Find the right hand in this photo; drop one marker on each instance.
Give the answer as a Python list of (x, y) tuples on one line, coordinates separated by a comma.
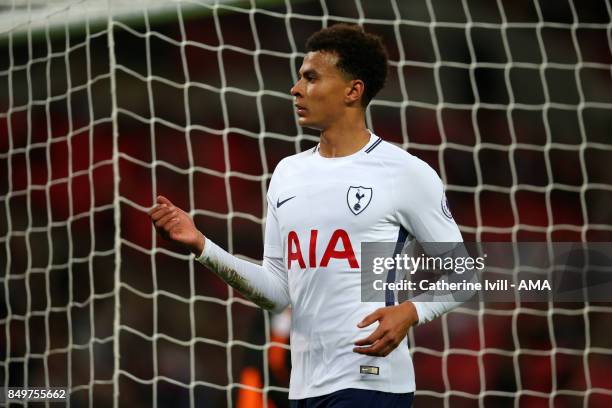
[(176, 225)]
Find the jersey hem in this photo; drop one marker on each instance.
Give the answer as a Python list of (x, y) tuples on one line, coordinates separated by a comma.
[(403, 389)]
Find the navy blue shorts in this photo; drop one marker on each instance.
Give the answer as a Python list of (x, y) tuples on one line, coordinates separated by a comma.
[(356, 398)]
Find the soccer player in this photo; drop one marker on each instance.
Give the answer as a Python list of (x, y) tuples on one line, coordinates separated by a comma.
[(352, 187)]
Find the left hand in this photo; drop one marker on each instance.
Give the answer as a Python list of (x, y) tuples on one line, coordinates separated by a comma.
[(394, 324)]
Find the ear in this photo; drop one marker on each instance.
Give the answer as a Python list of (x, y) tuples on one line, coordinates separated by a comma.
[(354, 91)]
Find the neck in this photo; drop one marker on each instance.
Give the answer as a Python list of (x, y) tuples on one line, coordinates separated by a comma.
[(343, 138)]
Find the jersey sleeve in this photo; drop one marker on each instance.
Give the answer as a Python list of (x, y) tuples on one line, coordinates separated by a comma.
[(273, 245), (266, 285), (422, 209), (421, 205)]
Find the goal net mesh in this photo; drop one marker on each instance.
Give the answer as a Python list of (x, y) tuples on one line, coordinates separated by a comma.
[(106, 104)]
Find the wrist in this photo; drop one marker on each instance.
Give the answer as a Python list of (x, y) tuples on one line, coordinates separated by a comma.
[(198, 246), (411, 312)]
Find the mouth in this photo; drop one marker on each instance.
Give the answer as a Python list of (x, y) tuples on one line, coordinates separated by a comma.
[(300, 109)]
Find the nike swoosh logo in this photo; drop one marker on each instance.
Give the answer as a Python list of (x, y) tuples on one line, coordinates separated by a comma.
[(279, 203)]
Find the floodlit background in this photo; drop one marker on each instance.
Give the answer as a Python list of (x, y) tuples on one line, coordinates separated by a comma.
[(510, 101)]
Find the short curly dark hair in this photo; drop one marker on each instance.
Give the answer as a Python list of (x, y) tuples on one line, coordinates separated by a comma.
[(361, 55)]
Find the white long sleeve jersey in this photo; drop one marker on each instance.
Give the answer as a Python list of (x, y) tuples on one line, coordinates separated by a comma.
[(320, 210)]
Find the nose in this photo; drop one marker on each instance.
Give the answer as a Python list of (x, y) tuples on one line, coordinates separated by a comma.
[(295, 89)]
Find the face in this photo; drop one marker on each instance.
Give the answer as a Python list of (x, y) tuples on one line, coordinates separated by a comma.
[(322, 92)]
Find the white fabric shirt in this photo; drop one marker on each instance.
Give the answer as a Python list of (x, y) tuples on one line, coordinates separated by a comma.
[(365, 197), (320, 210)]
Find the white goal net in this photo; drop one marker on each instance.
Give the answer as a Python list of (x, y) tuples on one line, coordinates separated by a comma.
[(106, 104)]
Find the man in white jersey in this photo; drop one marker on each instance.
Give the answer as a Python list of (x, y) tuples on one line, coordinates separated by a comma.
[(322, 204)]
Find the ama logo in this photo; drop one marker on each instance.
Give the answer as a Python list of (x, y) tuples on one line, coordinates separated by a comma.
[(358, 198)]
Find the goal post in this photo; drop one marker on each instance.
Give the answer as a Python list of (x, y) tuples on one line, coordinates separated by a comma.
[(106, 104)]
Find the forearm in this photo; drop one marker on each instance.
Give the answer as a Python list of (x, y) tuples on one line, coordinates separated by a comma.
[(428, 311), (266, 285), (434, 303)]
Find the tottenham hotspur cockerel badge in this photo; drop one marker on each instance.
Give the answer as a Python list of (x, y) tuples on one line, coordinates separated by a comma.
[(358, 198)]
